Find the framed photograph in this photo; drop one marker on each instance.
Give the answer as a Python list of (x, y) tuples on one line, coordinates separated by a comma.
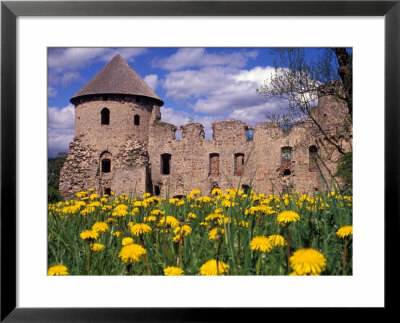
[(48, 47)]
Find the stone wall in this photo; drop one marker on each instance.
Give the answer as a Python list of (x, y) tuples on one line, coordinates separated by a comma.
[(121, 120), (150, 158)]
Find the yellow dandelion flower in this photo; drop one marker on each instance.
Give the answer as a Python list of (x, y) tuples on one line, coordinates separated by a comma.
[(126, 241), (120, 210), (195, 192), (146, 195), (97, 247), (277, 240), (169, 221), (174, 200), (307, 261), (157, 212), (227, 203), (216, 232), (131, 253), (81, 194), (94, 196), (345, 231), (111, 220), (117, 234), (287, 217), (210, 268), (214, 216), (204, 199), (57, 270), (173, 271), (89, 235), (183, 230), (150, 218), (192, 215), (261, 243), (100, 227), (91, 189), (140, 229), (216, 191)]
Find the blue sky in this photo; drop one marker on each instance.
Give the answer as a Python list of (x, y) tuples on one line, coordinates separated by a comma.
[(199, 84)]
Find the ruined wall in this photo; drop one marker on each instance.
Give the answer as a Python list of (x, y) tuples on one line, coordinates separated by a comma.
[(83, 169), (150, 158), (190, 156), (205, 164)]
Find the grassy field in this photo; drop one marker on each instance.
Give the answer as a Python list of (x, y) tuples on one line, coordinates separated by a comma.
[(227, 233)]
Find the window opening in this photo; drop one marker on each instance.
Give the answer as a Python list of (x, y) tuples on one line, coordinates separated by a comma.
[(106, 165), (286, 160), (105, 116), (214, 164), (239, 164), (178, 134), (165, 164), (136, 120), (312, 155)]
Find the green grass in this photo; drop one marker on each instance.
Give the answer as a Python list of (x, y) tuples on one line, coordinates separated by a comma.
[(321, 215)]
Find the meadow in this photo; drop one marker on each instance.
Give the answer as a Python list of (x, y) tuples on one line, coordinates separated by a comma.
[(226, 233)]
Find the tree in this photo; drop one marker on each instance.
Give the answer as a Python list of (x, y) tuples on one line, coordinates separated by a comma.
[(53, 176), (300, 82)]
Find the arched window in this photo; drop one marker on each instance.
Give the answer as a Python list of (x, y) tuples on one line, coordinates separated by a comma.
[(165, 164), (214, 164), (239, 164), (105, 116), (136, 120), (312, 158), (286, 160)]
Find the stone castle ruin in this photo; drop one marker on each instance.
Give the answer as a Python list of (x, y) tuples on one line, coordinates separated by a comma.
[(121, 145)]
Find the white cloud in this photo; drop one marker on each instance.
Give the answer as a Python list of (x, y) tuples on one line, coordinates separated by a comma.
[(220, 91), (194, 84), (198, 57), (51, 91), (60, 129), (64, 63), (72, 59), (152, 81), (69, 77)]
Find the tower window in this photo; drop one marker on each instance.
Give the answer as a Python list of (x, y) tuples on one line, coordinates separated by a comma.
[(107, 191), (105, 116), (239, 164), (312, 155), (286, 160), (157, 190), (214, 164), (136, 120), (165, 164), (106, 165)]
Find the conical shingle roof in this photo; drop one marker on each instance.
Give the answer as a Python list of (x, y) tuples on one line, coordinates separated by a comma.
[(117, 77)]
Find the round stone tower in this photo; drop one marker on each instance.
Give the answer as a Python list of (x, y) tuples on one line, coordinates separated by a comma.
[(116, 103), (113, 114)]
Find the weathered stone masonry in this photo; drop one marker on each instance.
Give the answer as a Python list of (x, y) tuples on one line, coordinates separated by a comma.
[(121, 145)]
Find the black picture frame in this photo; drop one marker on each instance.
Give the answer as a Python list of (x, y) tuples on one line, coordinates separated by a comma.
[(10, 10)]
